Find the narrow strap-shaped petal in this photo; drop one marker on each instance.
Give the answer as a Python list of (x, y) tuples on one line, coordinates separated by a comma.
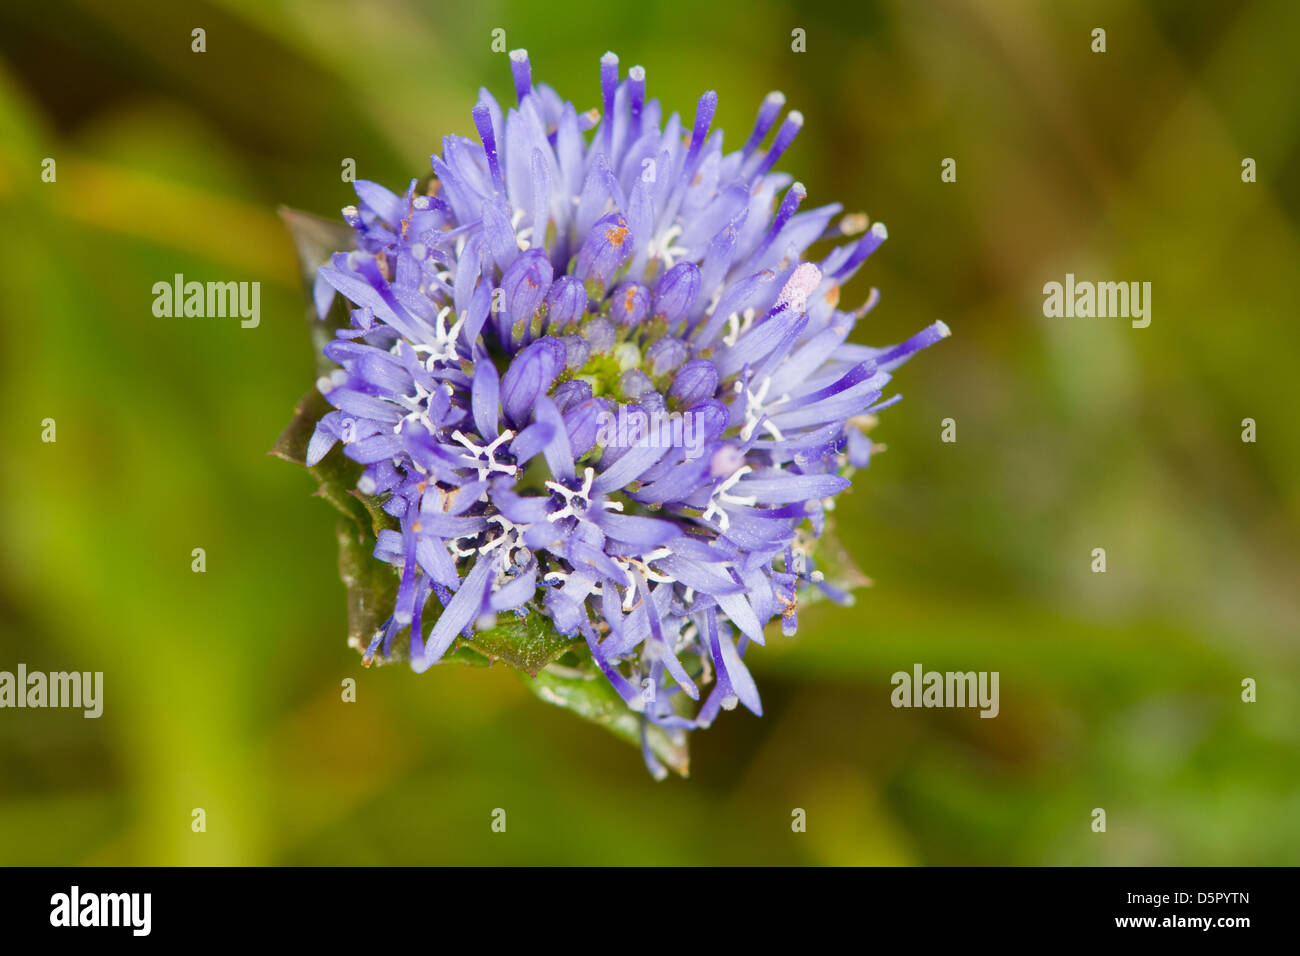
[(458, 614)]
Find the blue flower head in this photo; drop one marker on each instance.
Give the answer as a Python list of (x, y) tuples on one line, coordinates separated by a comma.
[(592, 377)]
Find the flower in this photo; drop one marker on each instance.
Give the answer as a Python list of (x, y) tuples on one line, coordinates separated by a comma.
[(591, 377)]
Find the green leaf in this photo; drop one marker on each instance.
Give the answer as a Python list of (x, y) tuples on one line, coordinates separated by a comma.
[(316, 240), (527, 643), (336, 475), (371, 585), (583, 690), (371, 591)]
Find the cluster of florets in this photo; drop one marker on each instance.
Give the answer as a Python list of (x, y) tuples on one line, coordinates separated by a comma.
[(591, 377)]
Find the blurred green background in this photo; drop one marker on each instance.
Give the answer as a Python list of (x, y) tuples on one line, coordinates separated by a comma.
[(1118, 690)]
